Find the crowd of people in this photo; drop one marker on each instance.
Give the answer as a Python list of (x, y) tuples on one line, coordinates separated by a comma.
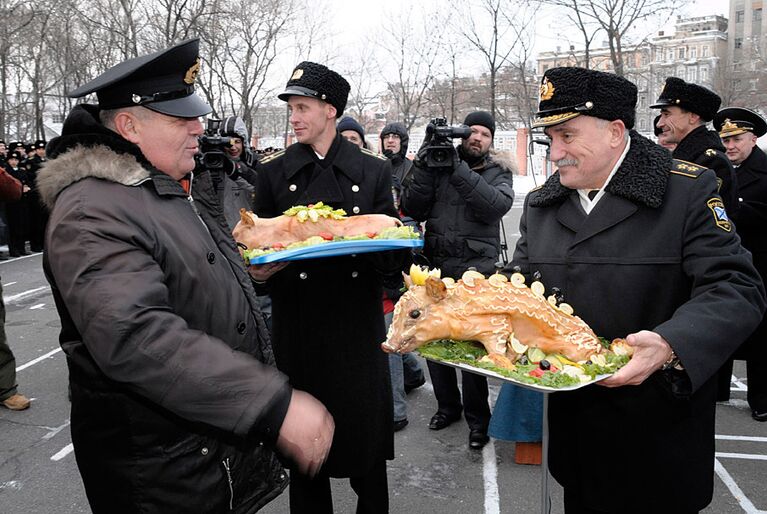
[(196, 380)]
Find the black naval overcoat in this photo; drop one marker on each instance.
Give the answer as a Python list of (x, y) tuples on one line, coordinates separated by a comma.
[(327, 314), (752, 223), (704, 148), (656, 253)]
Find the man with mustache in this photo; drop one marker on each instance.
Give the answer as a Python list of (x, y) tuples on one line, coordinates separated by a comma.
[(462, 205)]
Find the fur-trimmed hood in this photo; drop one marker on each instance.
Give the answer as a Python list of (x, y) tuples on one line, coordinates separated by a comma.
[(88, 149), (82, 162), (641, 178), (505, 160)]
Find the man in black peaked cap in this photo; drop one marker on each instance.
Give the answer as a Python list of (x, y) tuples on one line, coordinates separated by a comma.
[(641, 247), (175, 406)]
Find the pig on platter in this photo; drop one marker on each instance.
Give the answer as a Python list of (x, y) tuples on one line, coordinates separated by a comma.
[(505, 316), (300, 223)]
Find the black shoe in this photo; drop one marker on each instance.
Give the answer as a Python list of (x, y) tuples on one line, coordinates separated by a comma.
[(415, 385), (759, 416), (478, 439), (399, 425), (440, 421)]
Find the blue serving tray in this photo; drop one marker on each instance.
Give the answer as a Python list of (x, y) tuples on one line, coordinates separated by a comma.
[(336, 248)]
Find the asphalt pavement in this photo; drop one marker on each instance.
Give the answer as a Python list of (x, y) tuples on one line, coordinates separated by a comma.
[(433, 472)]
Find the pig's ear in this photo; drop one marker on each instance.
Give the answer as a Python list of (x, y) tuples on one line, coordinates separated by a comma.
[(436, 289), (407, 279), (246, 218)]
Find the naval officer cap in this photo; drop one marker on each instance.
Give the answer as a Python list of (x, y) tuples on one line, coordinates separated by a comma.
[(317, 81), (567, 92), (737, 120), (162, 81), (690, 97)]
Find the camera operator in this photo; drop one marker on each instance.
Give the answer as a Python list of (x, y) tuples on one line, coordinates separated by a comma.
[(462, 195)]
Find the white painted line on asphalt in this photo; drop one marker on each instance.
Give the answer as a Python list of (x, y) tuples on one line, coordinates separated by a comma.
[(490, 476), (13, 298), (753, 439), (13, 259), (36, 307), (743, 456), (53, 431), (35, 361), (10, 283), (63, 452), (740, 386), (736, 491)]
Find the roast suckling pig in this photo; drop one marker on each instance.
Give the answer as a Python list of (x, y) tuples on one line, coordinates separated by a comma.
[(281, 231), (506, 317)]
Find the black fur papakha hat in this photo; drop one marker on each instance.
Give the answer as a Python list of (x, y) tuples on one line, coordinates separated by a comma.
[(317, 81), (690, 97), (568, 92), (737, 120), (162, 81)]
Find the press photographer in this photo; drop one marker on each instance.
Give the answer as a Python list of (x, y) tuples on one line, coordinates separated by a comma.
[(223, 153), (462, 194)]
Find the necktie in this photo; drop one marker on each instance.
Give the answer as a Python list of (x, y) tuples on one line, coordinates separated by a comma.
[(592, 194)]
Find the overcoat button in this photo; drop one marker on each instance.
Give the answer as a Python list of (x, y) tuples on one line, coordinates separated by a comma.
[(356, 188), (355, 274), (241, 326), (204, 450), (293, 187), (211, 257), (356, 210), (303, 275)]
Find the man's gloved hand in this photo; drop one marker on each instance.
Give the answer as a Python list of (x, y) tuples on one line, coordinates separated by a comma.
[(420, 156)]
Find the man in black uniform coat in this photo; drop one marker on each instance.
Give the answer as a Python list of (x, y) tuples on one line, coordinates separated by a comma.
[(739, 129), (651, 256), (684, 111), (327, 315)]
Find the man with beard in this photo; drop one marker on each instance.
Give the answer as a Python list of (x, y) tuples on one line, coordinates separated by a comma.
[(739, 129), (462, 205), (685, 109)]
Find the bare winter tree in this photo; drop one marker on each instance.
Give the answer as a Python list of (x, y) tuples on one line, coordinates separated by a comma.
[(497, 30), (17, 17), (615, 19), (409, 61), (579, 18), (361, 73)]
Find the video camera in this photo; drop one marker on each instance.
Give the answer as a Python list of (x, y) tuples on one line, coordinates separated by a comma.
[(212, 155), (440, 136)]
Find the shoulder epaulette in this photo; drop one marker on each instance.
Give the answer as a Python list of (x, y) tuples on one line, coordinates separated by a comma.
[(687, 169), (271, 157), (373, 154), (711, 152)]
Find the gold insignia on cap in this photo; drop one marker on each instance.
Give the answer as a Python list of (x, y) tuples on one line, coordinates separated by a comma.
[(728, 125), (546, 90), (297, 74), (711, 152), (191, 73), (730, 129)]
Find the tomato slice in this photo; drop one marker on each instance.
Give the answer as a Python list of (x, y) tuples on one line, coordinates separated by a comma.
[(371, 235), (327, 236)]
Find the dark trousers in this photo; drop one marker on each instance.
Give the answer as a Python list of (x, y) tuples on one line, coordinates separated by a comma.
[(475, 406), (755, 355), (574, 505), (313, 495), (7, 360)]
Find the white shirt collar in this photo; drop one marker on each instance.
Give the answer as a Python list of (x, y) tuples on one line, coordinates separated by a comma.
[(589, 204)]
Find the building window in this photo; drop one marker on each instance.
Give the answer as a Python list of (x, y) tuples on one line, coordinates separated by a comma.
[(693, 52), (670, 54), (692, 74), (738, 42), (681, 53), (758, 14), (642, 124), (739, 15), (704, 74), (704, 51), (642, 101)]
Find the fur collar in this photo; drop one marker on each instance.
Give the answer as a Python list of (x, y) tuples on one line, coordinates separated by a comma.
[(81, 162), (506, 160), (641, 177)]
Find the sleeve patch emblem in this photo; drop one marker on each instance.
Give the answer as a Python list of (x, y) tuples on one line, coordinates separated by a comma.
[(720, 215)]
